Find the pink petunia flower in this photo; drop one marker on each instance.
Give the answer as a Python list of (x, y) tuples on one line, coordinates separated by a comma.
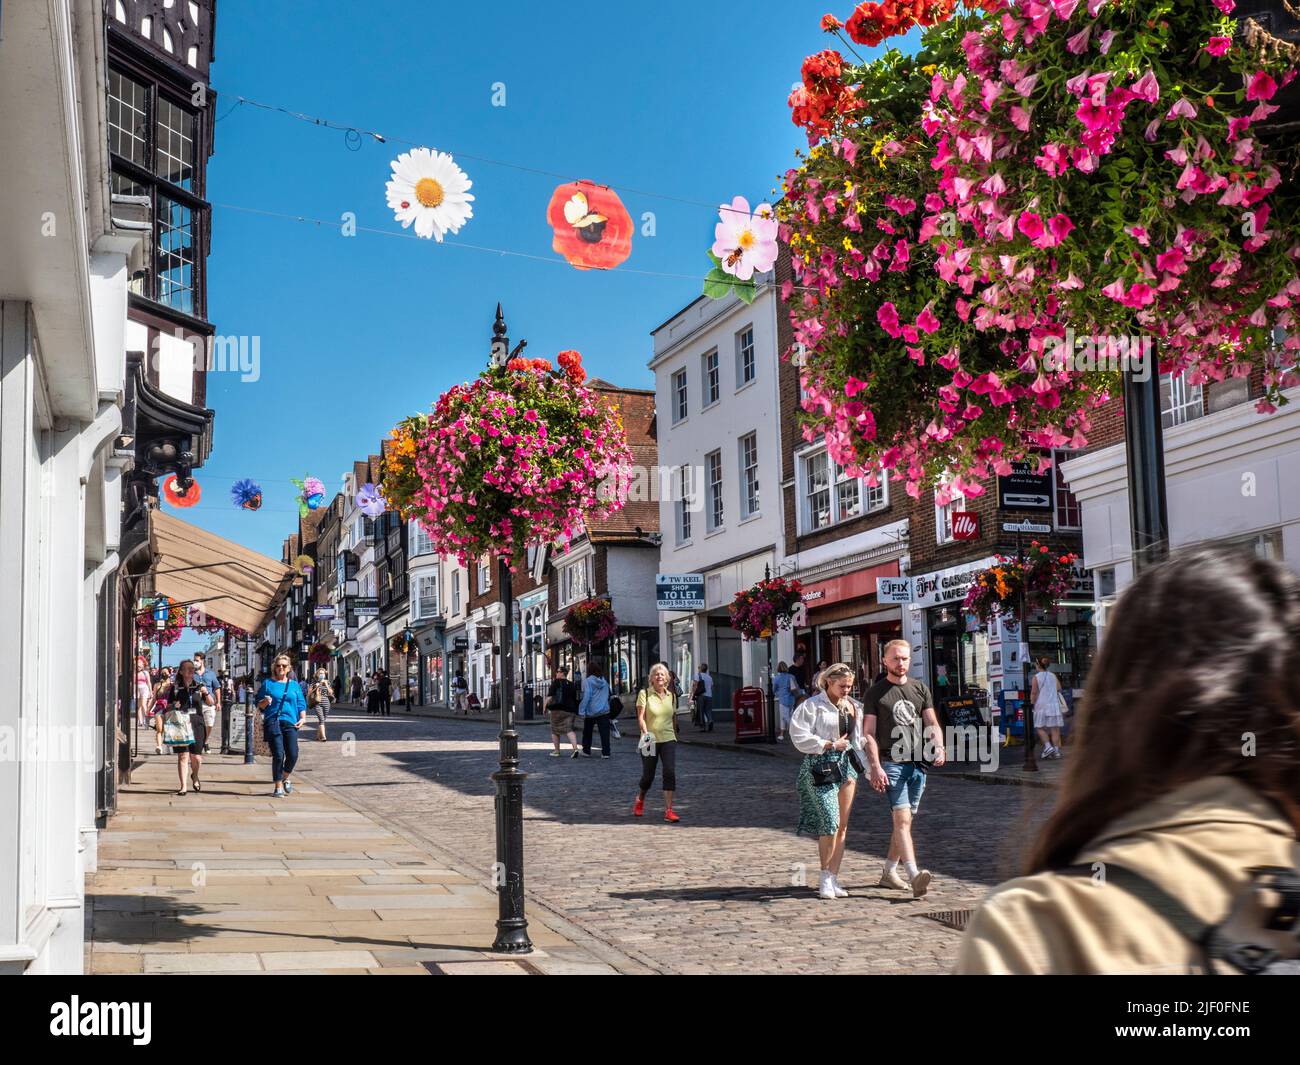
[(1219, 46), (1261, 87)]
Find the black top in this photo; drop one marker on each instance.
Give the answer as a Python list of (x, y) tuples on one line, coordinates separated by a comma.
[(180, 697), (899, 725), (563, 694)]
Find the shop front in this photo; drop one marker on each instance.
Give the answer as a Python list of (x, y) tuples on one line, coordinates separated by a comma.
[(457, 652), (626, 657), (843, 621)]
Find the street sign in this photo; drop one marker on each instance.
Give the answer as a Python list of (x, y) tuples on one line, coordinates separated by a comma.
[(894, 589), (1023, 489), (365, 606), (679, 591), (324, 613), (1026, 527)]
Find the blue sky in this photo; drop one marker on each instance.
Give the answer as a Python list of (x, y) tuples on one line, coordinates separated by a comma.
[(682, 99)]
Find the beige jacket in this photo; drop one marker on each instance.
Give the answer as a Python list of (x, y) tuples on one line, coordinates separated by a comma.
[(1196, 843)]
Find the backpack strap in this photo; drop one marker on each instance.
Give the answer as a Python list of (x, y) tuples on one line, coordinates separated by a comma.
[(1155, 897)]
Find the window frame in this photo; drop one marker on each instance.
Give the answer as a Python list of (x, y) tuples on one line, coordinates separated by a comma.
[(710, 378), (1182, 401), (943, 518), (715, 510), (679, 386), (748, 472), (741, 361), (837, 479), (1058, 489), (565, 594), (156, 186), (685, 475)]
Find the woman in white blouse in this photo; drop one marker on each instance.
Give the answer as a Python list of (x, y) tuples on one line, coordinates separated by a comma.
[(827, 729)]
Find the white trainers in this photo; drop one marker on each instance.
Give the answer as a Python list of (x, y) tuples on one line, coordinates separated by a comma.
[(891, 879), (827, 888), (921, 883), (840, 893)]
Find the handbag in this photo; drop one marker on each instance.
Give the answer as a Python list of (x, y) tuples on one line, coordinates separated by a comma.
[(177, 730), (826, 774), (1060, 702)]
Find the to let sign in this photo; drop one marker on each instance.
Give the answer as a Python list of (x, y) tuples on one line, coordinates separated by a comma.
[(965, 525), (679, 591)]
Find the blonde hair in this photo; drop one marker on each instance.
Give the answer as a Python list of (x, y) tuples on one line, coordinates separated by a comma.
[(834, 672), (277, 659), (895, 643), (658, 667)]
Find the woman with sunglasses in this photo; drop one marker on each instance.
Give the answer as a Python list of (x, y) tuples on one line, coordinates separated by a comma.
[(284, 712)]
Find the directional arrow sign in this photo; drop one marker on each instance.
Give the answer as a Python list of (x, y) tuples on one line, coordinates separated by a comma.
[(1027, 502)]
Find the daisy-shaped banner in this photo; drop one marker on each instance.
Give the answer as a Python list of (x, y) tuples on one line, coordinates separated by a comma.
[(744, 244), (428, 189), (370, 501)]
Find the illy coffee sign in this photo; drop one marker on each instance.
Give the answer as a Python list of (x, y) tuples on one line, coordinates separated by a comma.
[(965, 525)]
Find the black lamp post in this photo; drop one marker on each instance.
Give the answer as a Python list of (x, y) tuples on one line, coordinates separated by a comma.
[(512, 924)]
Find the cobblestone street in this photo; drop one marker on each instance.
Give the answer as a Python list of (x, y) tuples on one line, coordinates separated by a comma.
[(721, 891)]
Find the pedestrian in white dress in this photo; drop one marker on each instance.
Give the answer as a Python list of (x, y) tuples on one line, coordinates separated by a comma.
[(1045, 694)]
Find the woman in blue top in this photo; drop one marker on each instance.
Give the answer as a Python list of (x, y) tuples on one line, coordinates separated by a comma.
[(284, 711), (594, 709)]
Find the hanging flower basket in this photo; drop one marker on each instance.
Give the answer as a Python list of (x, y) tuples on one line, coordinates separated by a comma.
[(591, 621), (523, 455), (1041, 574), (401, 645), (320, 654), (148, 629), (985, 233), (758, 612)]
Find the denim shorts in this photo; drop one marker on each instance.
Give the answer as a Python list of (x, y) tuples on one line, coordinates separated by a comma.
[(906, 784)]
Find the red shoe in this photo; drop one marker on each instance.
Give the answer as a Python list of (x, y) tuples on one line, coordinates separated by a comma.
[(638, 808), (669, 815)]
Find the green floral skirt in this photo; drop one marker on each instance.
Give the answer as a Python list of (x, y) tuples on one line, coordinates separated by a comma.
[(819, 806)]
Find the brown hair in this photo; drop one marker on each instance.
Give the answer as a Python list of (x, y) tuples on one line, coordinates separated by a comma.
[(1201, 656)]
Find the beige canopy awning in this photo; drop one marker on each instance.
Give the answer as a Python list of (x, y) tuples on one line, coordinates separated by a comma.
[(231, 583)]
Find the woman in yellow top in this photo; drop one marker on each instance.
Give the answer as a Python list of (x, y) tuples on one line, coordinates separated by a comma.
[(655, 713)]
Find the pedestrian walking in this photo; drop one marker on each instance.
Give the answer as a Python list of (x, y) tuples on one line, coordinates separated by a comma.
[(703, 696), (374, 700), (143, 690), (1049, 708), (827, 730), (898, 720), (656, 715), (185, 727), (594, 710), (799, 670), (817, 677), (337, 688), (562, 707), (161, 684), (788, 693), (675, 686), (459, 692), (385, 693), (615, 711), (209, 680), (1174, 833), (284, 710), (320, 698), (357, 687)]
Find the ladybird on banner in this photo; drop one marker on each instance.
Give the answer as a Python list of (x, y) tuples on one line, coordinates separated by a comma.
[(593, 230)]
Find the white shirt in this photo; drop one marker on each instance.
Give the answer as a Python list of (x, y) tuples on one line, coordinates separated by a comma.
[(816, 721), (1048, 686), (707, 680)]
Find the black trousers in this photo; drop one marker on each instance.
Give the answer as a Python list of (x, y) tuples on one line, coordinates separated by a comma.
[(601, 723), (667, 753)]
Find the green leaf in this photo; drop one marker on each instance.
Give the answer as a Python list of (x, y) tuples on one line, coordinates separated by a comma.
[(746, 291), (717, 285), (715, 260)]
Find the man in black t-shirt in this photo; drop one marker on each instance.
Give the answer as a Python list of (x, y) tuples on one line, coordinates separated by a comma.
[(902, 735)]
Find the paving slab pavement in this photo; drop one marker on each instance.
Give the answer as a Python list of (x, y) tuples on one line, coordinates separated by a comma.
[(233, 880)]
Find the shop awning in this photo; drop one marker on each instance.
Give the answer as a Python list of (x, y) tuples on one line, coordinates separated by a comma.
[(230, 582)]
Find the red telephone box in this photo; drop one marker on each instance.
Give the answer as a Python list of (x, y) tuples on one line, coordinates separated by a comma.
[(749, 708)]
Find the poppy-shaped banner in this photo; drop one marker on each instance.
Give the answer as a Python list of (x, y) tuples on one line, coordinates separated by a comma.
[(593, 230), (181, 499)]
